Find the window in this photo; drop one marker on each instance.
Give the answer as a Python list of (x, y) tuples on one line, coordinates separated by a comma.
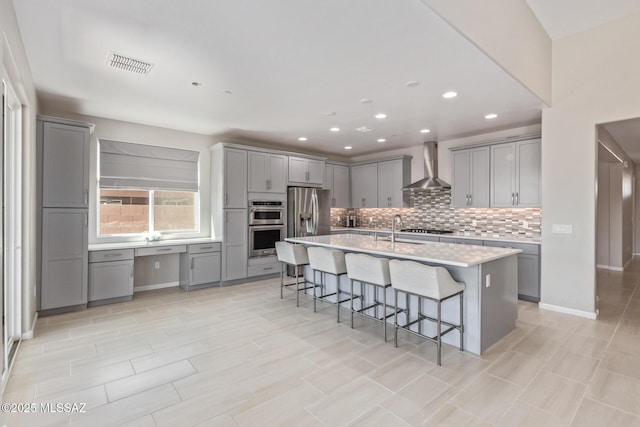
[(146, 189)]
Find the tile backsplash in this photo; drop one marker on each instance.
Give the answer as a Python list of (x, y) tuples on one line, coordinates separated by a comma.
[(434, 210)]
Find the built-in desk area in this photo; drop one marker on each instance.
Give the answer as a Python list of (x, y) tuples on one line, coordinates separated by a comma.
[(111, 266)]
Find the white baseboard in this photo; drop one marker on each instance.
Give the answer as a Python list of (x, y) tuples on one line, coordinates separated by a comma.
[(156, 286), (29, 334), (566, 310), (609, 267)]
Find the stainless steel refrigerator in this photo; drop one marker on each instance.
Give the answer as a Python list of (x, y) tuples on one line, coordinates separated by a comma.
[(308, 212)]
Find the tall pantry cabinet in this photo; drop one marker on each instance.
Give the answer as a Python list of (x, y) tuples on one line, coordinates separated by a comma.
[(63, 208)]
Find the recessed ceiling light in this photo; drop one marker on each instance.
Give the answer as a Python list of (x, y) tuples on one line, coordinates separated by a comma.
[(412, 83), (302, 138), (331, 113), (334, 129), (348, 147), (381, 116), (424, 131), (196, 84), (227, 92), (365, 101), (491, 116), (364, 129), (450, 94), (382, 140)]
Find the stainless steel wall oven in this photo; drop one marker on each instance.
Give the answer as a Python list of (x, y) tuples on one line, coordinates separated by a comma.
[(266, 227)]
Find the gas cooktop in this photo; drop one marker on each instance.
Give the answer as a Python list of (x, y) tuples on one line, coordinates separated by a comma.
[(423, 230)]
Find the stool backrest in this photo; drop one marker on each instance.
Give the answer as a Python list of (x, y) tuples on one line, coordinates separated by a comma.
[(327, 260), (425, 280), (369, 269), (292, 254)]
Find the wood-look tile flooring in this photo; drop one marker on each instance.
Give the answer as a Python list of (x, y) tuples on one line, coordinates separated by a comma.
[(240, 356)]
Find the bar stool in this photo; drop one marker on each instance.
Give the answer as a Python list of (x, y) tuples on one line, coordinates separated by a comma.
[(370, 271), (433, 283), (296, 256), (327, 261)]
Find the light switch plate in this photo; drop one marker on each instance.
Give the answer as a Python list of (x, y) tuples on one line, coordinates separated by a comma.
[(562, 229)]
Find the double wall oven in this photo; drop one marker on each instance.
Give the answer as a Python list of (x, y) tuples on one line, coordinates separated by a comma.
[(266, 226)]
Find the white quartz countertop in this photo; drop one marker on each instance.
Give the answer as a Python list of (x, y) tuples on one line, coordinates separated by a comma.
[(454, 235), (144, 244), (433, 252)]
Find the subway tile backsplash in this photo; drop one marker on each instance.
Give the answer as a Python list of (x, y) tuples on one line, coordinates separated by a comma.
[(434, 210)]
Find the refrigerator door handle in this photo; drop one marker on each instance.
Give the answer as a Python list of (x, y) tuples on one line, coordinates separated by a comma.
[(315, 213)]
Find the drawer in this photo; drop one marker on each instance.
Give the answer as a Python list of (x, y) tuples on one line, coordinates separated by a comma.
[(261, 269), (202, 248), (161, 250), (417, 236), (527, 248), (461, 241), (113, 255)]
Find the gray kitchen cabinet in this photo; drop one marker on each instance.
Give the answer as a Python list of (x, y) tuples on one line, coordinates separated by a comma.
[(336, 180), (470, 186), (364, 186), (64, 258), (267, 172), (306, 172), (528, 268), (65, 168), (235, 178), (110, 276), (235, 247), (516, 174), (200, 266), (393, 175)]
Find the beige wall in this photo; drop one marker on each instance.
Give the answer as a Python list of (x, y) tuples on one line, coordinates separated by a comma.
[(16, 66), (509, 33), (596, 79)]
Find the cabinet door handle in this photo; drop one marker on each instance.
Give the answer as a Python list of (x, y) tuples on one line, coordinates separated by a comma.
[(267, 268), (163, 249), (86, 196), (206, 247), (513, 198), (131, 268), (226, 199), (226, 217), (363, 202), (470, 199), (86, 220), (306, 176), (192, 262), (517, 198), (268, 184), (112, 255), (333, 202)]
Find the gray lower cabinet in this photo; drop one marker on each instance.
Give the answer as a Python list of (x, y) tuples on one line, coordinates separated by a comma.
[(64, 258), (528, 268), (110, 276), (200, 266)]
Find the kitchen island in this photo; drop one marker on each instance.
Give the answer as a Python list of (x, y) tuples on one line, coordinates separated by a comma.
[(489, 273)]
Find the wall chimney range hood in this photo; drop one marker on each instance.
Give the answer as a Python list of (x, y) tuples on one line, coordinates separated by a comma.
[(430, 180)]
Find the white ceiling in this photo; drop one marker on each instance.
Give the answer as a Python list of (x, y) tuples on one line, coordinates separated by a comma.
[(561, 18), (288, 63)]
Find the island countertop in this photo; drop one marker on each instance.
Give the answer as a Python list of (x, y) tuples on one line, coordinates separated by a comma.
[(433, 252)]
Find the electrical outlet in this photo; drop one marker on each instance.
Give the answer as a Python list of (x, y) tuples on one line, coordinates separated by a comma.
[(562, 229), (474, 222), (525, 224), (487, 280), (157, 265)]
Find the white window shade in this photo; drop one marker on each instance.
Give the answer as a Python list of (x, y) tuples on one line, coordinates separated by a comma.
[(127, 165)]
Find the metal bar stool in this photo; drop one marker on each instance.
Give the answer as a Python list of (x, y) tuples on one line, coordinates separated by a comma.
[(370, 271), (327, 261), (433, 283), (296, 256)]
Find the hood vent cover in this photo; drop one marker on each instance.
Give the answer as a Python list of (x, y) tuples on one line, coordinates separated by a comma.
[(126, 63), (430, 180)]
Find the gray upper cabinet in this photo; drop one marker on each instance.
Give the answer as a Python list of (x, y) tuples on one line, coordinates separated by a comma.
[(470, 187), (516, 174), (364, 186), (64, 258), (235, 178), (267, 172), (306, 172), (393, 175), (336, 180), (65, 168)]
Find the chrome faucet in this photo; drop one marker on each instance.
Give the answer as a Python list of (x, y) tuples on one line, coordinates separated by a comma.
[(393, 227)]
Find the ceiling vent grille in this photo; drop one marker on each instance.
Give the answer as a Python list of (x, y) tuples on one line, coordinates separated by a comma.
[(127, 63)]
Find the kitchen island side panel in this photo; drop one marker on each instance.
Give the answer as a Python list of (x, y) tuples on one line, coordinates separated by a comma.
[(498, 299)]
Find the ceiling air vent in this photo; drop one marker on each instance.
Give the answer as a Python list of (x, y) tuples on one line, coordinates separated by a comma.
[(126, 63)]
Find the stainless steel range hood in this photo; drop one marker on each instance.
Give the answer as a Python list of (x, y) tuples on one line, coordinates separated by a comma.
[(430, 180)]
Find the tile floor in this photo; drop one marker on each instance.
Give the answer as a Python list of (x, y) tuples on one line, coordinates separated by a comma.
[(240, 356)]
